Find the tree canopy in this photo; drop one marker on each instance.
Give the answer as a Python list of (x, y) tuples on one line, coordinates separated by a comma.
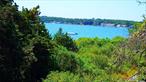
[(29, 54)]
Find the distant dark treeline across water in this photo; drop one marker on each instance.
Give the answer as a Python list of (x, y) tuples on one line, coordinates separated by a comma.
[(95, 22)]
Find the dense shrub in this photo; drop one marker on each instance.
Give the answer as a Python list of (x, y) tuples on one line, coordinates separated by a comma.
[(64, 59)]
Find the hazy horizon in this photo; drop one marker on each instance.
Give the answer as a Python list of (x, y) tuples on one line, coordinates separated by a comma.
[(103, 9)]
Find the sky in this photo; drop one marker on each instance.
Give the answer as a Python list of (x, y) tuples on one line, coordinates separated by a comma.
[(104, 9)]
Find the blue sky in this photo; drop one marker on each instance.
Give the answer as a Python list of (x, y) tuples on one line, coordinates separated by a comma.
[(104, 9)]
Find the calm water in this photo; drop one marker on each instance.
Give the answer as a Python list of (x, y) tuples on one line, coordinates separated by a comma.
[(88, 31)]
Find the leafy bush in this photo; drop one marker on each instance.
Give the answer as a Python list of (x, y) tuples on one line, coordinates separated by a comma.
[(62, 77), (64, 59)]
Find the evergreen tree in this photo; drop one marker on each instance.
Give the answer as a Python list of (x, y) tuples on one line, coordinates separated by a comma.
[(11, 54), (25, 45), (65, 40)]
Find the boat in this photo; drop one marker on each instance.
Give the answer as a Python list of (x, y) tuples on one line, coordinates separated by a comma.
[(72, 33)]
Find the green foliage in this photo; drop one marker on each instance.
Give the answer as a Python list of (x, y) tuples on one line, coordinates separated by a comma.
[(92, 63), (135, 28), (36, 45), (56, 76), (93, 57), (64, 59), (5, 2), (42, 50), (62, 77), (11, 54), (132, 53), (65, 40), (83, 42), (25, 46), (29, 54)]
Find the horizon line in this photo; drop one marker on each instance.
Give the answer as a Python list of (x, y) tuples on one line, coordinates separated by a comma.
[(92, 18)]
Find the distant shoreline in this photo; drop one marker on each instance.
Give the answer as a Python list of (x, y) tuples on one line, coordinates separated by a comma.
[(93, 22), (86, 25)]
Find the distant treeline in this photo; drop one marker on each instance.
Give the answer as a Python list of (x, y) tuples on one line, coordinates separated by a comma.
[(93, 21)]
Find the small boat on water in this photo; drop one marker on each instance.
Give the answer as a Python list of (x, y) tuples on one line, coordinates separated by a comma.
[(72, 33)]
